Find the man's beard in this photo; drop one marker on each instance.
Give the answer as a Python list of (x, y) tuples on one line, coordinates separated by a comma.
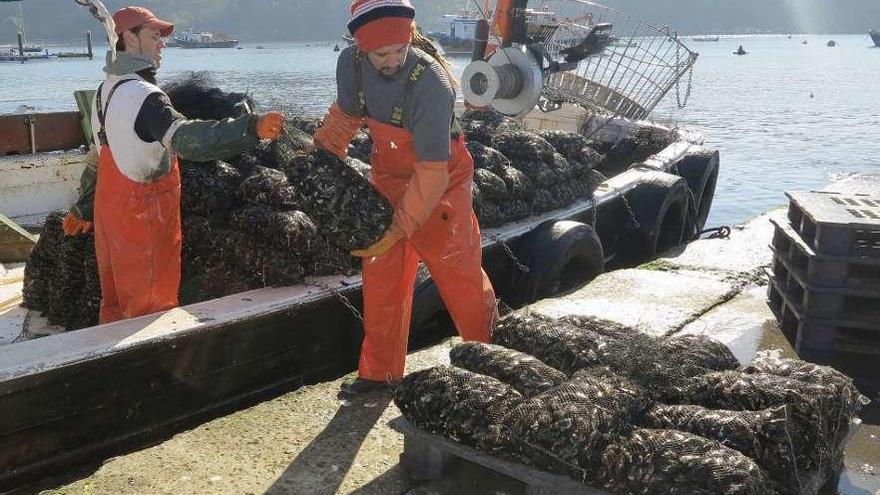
[(389, 75)]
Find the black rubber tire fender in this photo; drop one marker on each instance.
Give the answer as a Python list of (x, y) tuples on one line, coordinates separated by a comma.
[(700, 167), (660, 205), (560, 255)]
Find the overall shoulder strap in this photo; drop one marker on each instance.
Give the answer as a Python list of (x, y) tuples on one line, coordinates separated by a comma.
[(414, 75), (359, 88), (101, 108)]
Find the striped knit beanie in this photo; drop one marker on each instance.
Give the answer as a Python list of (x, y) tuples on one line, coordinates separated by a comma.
[(378, 23)]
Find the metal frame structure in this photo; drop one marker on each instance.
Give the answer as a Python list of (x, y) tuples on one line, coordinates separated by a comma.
[(631, 76)]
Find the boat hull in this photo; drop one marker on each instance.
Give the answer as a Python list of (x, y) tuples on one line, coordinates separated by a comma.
[(209, 44), (454, 46)]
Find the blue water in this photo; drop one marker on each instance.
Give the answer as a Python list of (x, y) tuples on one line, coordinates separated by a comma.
[(756, 109)]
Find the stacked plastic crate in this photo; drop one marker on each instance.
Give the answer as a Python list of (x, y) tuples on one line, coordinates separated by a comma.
[(825, 279)]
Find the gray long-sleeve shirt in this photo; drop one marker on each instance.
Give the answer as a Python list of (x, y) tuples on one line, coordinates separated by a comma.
[(427, 109)]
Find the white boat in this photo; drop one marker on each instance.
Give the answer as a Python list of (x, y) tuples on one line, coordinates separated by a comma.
[(204, 39), (706, 38)]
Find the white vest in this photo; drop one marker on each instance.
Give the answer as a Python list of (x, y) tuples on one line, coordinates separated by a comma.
[(136, 159)]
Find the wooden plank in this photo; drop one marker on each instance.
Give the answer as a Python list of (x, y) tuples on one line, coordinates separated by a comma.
[(15, 242), (53, 131), (427, 456)]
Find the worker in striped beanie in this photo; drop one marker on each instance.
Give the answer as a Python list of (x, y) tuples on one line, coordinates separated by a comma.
[(378, 23), (396, 83)]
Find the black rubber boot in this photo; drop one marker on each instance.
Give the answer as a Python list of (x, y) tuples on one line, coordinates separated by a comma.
[(361, 386)]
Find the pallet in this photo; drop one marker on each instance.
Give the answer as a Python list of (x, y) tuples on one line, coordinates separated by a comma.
[(823, 271), (819, 302), (820, 340), (428, 456), (837, 224)]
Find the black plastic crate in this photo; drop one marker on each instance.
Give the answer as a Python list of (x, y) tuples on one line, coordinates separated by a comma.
[(821, 340), (816, 302), (823, 271), (837, 224)]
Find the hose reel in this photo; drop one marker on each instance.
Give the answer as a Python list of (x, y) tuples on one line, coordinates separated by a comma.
[(510, 81)]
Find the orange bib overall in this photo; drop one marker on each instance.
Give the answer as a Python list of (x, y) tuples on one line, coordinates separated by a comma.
[(137, 241), (448, 243)]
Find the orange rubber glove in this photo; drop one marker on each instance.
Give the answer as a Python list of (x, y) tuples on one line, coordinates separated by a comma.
[(424, 190), (391, 237), (73, 225), (337, 131), (270, 125)]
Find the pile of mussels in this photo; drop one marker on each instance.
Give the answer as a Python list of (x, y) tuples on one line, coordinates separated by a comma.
[(630, 413), (284, 211)]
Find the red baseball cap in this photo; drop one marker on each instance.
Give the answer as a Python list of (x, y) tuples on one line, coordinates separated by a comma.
[(131, 17)]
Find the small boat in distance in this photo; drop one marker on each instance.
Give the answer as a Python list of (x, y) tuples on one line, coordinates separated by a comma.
[(831, 44), (705, 39), (740, 51), (875, 35), (189, 39)]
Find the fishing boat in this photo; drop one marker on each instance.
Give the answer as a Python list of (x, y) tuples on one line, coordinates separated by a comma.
[(101, 387), (875, 35), (458, 39), (204, 39)]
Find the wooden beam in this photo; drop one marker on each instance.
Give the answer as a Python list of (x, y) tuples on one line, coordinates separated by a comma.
[(15, 242)]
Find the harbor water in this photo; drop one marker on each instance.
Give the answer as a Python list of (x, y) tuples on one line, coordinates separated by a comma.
[(787, 116)]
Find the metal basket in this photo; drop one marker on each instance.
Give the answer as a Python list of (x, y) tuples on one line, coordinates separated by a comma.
[(629, 77)]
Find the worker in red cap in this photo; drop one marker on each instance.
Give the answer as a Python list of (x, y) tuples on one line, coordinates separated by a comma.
[(137, 184), (394, 81)]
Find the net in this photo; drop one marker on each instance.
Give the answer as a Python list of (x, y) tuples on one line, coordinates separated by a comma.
[(667, 461), (461, 405), (525, 374)]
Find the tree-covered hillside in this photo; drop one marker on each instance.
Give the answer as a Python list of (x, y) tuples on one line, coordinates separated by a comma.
[(299, 20)]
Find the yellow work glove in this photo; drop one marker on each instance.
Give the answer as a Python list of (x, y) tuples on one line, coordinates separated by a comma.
[(270, 125), (337, 130), (73, 225), (391, 237)]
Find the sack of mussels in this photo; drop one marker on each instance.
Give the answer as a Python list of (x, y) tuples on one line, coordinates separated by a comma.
[(635, 414), (284, 211)]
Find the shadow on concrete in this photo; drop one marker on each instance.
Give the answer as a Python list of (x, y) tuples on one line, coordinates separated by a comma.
[(391, 482), (323, 465)]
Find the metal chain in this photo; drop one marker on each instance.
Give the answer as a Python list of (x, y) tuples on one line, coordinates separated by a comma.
[(595, 207), (692, 200), (690, 86), (25, 329), (629, 210), (339, 296), (519, 266)]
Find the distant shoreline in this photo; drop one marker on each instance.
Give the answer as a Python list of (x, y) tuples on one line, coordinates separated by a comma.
[(77, 42)]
